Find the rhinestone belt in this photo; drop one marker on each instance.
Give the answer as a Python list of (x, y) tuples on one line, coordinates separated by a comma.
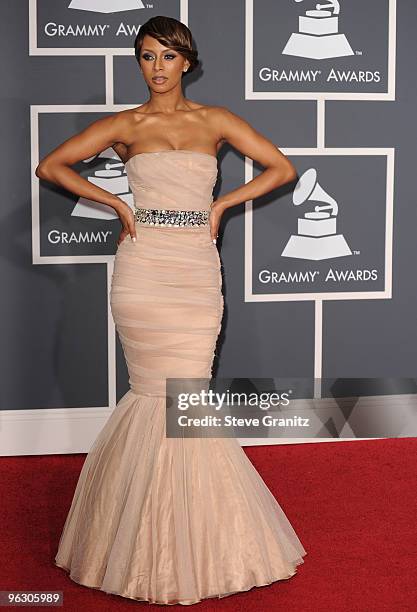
[(175, 218)]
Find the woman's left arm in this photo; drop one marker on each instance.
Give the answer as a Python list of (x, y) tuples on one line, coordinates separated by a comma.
[(243, 137)]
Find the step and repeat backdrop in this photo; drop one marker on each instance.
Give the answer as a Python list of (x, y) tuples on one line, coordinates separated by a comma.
[(318, 276)]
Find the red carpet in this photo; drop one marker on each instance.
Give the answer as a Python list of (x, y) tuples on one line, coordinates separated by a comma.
[(353, 505)]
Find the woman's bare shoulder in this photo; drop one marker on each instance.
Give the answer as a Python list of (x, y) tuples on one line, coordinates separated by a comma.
[(210, 108), (218, 113), (130, 115)]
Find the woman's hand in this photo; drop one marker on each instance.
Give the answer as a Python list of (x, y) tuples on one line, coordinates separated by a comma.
[(128, 222), (216, 212)]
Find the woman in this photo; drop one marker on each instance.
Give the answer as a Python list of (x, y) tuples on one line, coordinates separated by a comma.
[(158, 519)]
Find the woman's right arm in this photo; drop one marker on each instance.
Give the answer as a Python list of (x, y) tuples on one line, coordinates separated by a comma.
[(94, 139)]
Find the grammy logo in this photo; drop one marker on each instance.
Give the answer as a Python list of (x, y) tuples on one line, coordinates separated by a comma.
[(318, 34), (106, 6), (316, 238), (113, 178)]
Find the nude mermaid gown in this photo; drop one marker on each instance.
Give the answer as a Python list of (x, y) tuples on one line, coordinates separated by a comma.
[(171, 520)]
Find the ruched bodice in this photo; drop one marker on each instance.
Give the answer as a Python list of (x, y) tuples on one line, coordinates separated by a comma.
[(173, 179)]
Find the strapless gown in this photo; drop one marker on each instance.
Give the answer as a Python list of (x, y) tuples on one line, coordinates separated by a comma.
[(157, 519)]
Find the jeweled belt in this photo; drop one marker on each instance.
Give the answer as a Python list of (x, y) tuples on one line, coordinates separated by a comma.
[(175, 218)]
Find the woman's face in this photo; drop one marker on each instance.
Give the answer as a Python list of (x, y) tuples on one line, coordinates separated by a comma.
[(161, 67)]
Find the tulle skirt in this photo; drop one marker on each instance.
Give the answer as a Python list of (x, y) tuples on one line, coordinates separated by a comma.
[(170, 520)]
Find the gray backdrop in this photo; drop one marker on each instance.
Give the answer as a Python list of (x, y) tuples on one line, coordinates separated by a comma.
[(351, 118)]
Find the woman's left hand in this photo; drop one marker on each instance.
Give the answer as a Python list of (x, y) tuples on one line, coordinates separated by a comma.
[(216, 212)]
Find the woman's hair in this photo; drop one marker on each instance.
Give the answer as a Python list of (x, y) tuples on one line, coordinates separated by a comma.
[(171, 33)]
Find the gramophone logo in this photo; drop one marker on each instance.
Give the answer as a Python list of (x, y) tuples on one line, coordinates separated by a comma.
[(106, 6), (317, 236), (341, 49), (95, 26), (112, 178), (318, 35)]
